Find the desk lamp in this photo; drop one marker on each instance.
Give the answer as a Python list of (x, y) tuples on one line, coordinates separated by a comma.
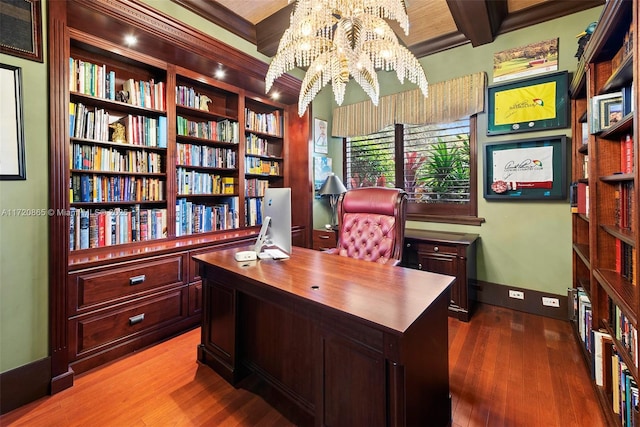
[(333, 188)]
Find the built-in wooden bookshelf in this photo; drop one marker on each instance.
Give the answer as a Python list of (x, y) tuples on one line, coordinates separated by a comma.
[(264, 148), (153, 160), (605, 221)]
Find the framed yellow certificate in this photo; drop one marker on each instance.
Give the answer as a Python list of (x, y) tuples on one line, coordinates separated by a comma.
[(538, 103)]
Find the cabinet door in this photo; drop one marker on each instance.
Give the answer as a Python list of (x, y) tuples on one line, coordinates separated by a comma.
[(443, 263), (354, 384)]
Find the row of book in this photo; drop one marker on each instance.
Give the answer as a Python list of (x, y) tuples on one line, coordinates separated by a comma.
[(258, 146), (624, 391), (95, 80), (145, 131), (194, 182), (86, 188), (146, 94), (608, 369), (581, 313), (224, 130), (259, 166), (253, 211), (188, 97), (98, 228), (92, 79), (579, 198), (254, 187), (88, 123), (192, 218), (625, 208), (269, 123), (610, 372), (111, 159), (626, 261), (100, 125), (205, 156), (626, 333)]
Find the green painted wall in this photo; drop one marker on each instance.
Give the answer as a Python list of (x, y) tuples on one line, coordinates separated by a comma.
[(24, 238), (523, 244)]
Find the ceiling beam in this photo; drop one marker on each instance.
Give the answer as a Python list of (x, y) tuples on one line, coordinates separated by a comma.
[(478, 20), (545, 12), (269, 31), (221, 16)]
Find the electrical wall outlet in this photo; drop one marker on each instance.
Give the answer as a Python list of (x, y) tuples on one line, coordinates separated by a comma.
[(516, 294), (550, 302)]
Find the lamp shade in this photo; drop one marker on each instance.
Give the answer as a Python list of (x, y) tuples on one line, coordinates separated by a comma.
[(332, 186)]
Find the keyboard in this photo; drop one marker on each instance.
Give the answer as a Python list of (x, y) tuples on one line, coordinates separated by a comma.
[(273, 254)]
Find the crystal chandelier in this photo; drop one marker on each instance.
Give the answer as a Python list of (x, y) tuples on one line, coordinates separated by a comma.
[(336, 39)]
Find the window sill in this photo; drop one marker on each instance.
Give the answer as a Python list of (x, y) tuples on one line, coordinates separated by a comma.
[(449, 219)]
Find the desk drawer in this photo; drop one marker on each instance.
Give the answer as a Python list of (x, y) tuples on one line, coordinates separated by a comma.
[(95, 288), (436, 248), (107, 328), (324, 239)]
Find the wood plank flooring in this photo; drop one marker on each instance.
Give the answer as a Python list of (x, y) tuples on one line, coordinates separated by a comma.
[(507, 368)]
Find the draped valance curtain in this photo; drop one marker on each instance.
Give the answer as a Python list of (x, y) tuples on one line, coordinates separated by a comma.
[(447, 101)]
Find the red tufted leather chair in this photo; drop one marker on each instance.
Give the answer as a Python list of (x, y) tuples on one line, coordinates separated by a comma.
[(371, 224)]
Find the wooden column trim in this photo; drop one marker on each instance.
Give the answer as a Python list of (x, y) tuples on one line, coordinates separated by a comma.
[(61, 375)]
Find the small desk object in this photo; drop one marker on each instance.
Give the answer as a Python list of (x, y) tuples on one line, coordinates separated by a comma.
[(344, 342)]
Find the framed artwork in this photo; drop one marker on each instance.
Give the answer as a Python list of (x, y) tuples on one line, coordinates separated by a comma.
[(525, 61), (21, 28), (322, 167), (320, 140), (606, 110), (11, 126), (528, 169), (538, 103)]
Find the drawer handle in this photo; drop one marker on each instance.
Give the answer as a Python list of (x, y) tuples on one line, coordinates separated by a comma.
[(420, 266), (436, 249), (136, 280), (323, 237), (136, 319)]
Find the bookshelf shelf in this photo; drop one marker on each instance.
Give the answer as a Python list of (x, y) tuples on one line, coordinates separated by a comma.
[(619, 129), (605, 263)]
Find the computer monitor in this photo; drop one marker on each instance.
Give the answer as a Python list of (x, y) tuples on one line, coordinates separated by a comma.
[(276, 205)]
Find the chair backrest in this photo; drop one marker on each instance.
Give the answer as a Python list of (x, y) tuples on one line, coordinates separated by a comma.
[(371, 224)]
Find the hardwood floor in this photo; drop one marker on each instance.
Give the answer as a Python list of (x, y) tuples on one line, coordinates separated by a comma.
[(507, 368)]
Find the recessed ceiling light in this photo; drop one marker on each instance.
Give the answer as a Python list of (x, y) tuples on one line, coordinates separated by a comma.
[(220, 73), (130, 40), (275, 95)]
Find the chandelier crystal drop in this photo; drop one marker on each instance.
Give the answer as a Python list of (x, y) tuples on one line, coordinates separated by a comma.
[(339, 39)]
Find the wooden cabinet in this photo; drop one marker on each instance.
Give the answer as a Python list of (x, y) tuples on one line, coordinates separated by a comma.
[(324, 239), (153, 159), (605, 232), (448, 253)]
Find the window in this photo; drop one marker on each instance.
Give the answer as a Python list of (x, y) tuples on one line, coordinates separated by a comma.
[(434, 164)]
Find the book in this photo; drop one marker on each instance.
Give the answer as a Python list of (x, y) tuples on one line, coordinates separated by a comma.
[(84, 229), (598, 350), (626, 154), (579, 198)]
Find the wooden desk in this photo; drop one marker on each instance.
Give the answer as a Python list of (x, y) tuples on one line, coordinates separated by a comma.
[(348, 342)]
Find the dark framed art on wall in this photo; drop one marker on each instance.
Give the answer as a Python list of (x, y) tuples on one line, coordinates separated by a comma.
[(538, 103), (12, 163), (527, 169), (21, 28)]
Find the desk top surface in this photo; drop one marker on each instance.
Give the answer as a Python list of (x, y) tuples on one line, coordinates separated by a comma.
[(391, 297)]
